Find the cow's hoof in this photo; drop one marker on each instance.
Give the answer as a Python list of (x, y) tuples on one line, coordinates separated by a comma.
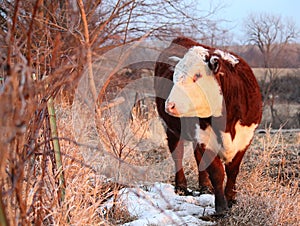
[(205, 190), (182, 191), (215, 216), (221, 208), (231, 203)]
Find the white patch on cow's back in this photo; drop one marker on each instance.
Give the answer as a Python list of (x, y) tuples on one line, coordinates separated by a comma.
[(227, 56), (229, 147)]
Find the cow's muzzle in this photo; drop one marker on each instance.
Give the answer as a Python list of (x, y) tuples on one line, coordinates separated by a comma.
[(170, 108)]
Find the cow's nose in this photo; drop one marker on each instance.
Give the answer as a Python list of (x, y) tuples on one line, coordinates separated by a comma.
[(170, 107)]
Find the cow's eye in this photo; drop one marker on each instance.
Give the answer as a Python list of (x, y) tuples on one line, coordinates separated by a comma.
[(196, 77)]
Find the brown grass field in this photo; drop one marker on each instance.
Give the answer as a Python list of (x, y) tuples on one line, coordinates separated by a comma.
[(268, 184), (50, 175), (259, 72)]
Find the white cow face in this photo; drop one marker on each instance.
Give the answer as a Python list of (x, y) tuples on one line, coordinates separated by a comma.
[(196, 92)]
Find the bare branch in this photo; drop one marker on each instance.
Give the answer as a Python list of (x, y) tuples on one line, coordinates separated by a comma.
[(12, 34), (89, 51), (36, 6)]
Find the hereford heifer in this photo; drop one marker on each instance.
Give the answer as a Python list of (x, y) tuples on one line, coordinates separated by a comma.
[(215, 102)]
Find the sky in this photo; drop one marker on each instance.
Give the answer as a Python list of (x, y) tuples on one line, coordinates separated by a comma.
[(237, 10)]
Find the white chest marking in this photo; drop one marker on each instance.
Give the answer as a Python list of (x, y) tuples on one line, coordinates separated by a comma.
[(229, 147)]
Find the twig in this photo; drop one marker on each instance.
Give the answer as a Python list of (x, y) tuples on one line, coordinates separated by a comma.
[(35, 9), (12, 35), (89, 51)]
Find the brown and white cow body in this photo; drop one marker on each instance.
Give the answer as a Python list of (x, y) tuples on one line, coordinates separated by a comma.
[(214, 102)]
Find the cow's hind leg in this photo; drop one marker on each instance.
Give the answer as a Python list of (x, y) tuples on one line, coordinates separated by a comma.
[(232, 170), (177, 151), (205, 186)]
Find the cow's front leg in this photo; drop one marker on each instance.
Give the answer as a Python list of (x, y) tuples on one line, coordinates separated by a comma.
[(216, 173), (177, 151), (205, 186), (232, 170)]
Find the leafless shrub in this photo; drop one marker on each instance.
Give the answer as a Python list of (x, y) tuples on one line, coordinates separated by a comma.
[(44, 48)]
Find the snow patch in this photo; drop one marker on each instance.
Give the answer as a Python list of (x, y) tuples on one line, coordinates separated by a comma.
[(160, 205)]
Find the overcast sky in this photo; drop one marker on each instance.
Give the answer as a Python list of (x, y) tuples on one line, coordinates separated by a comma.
[(237, 10)]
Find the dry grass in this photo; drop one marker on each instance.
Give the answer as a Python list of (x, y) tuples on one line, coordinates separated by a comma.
[(41, 56), (86, 190), (259, 72), (268, 184)]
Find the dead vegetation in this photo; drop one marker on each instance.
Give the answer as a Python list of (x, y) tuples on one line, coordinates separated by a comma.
[(43, 55), (268, 184), (45, 46)]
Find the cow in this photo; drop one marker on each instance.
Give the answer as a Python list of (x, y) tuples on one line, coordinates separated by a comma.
[(215, 102)]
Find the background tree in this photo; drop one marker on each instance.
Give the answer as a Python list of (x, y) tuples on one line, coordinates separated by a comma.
[(271, 34)]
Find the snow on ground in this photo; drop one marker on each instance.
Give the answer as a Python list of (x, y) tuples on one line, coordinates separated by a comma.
[(160, 205)]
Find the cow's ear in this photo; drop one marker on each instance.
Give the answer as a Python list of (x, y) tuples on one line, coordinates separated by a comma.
[(175, 59), (214, 64)]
